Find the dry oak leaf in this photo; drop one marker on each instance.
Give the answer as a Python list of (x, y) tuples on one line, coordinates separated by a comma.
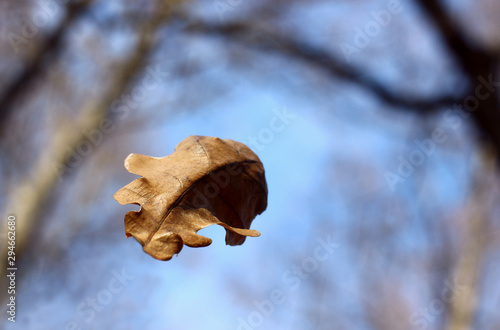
[(205, 181)]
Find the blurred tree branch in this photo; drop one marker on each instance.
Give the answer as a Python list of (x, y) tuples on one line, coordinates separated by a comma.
[(476, 63), (474, 245), (49, 50), (29, 196), (249, 35)]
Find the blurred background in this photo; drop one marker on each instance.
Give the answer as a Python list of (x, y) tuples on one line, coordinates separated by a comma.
[(378, 124)]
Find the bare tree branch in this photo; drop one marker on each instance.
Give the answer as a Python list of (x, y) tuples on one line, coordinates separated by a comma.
[(476, 63), (49, 50), (473, 59), (29, 197), (251, 36), (474, 245)]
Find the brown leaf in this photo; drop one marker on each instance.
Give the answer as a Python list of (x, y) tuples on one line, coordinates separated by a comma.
[(205, 181)]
